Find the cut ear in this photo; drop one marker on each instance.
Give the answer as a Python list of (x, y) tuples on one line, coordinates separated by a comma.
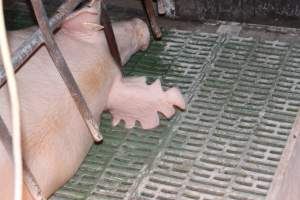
[(84, 21)]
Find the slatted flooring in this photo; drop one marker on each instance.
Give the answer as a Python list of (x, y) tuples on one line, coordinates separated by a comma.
[(243, 96)]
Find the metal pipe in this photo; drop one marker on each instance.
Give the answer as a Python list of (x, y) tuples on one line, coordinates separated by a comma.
[(32, 43), (152, 19)]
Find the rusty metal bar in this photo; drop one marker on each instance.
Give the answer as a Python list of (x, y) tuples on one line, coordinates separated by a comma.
[(32, 44), (152, 19), (29, 179), (109, 34), (63, 69)]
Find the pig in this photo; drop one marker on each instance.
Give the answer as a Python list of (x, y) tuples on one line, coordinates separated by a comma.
[(55, 139)]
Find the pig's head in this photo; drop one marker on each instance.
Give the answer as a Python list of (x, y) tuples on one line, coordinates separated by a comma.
[(131, 36), (142, 33)]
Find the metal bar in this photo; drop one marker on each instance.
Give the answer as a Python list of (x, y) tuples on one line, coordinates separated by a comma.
[(32, 44), (109, 34), (63, 69), (152, 19), (29, 179)]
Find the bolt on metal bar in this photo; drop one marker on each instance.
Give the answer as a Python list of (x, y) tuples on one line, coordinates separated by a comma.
[(64, 70), (109, 34), (152, 19), (32, 44), (29, 179)]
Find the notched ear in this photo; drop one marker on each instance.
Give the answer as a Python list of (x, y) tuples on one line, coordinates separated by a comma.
[(83, 21)]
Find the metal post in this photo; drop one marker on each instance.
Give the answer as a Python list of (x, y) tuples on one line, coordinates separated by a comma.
[(152, 19)]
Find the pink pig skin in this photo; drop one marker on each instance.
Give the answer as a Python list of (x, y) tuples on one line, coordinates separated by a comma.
[(55, 138)]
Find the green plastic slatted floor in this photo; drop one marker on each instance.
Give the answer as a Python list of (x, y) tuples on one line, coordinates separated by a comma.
[(243, 96)]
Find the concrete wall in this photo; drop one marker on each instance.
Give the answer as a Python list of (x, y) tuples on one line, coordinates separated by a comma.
[(237, 10)]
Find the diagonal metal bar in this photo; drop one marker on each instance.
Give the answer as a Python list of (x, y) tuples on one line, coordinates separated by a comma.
[(109, 34), (152, 19), (63, 69), (32, 44), (29, 179)]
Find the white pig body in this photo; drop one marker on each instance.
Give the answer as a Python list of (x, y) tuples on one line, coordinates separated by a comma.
[(55, 138)]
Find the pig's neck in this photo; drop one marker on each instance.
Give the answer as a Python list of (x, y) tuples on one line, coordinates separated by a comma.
[(93, 69), (125, 35)]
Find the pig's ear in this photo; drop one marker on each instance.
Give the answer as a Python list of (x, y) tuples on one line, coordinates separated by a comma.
[(83, 21)]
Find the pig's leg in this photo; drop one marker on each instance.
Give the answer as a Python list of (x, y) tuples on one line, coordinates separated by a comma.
[(131, 100)]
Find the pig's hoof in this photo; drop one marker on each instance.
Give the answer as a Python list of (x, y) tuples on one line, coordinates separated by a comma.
[(131, 100)]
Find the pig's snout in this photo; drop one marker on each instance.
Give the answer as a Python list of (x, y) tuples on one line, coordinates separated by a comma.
[(142, 33)]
